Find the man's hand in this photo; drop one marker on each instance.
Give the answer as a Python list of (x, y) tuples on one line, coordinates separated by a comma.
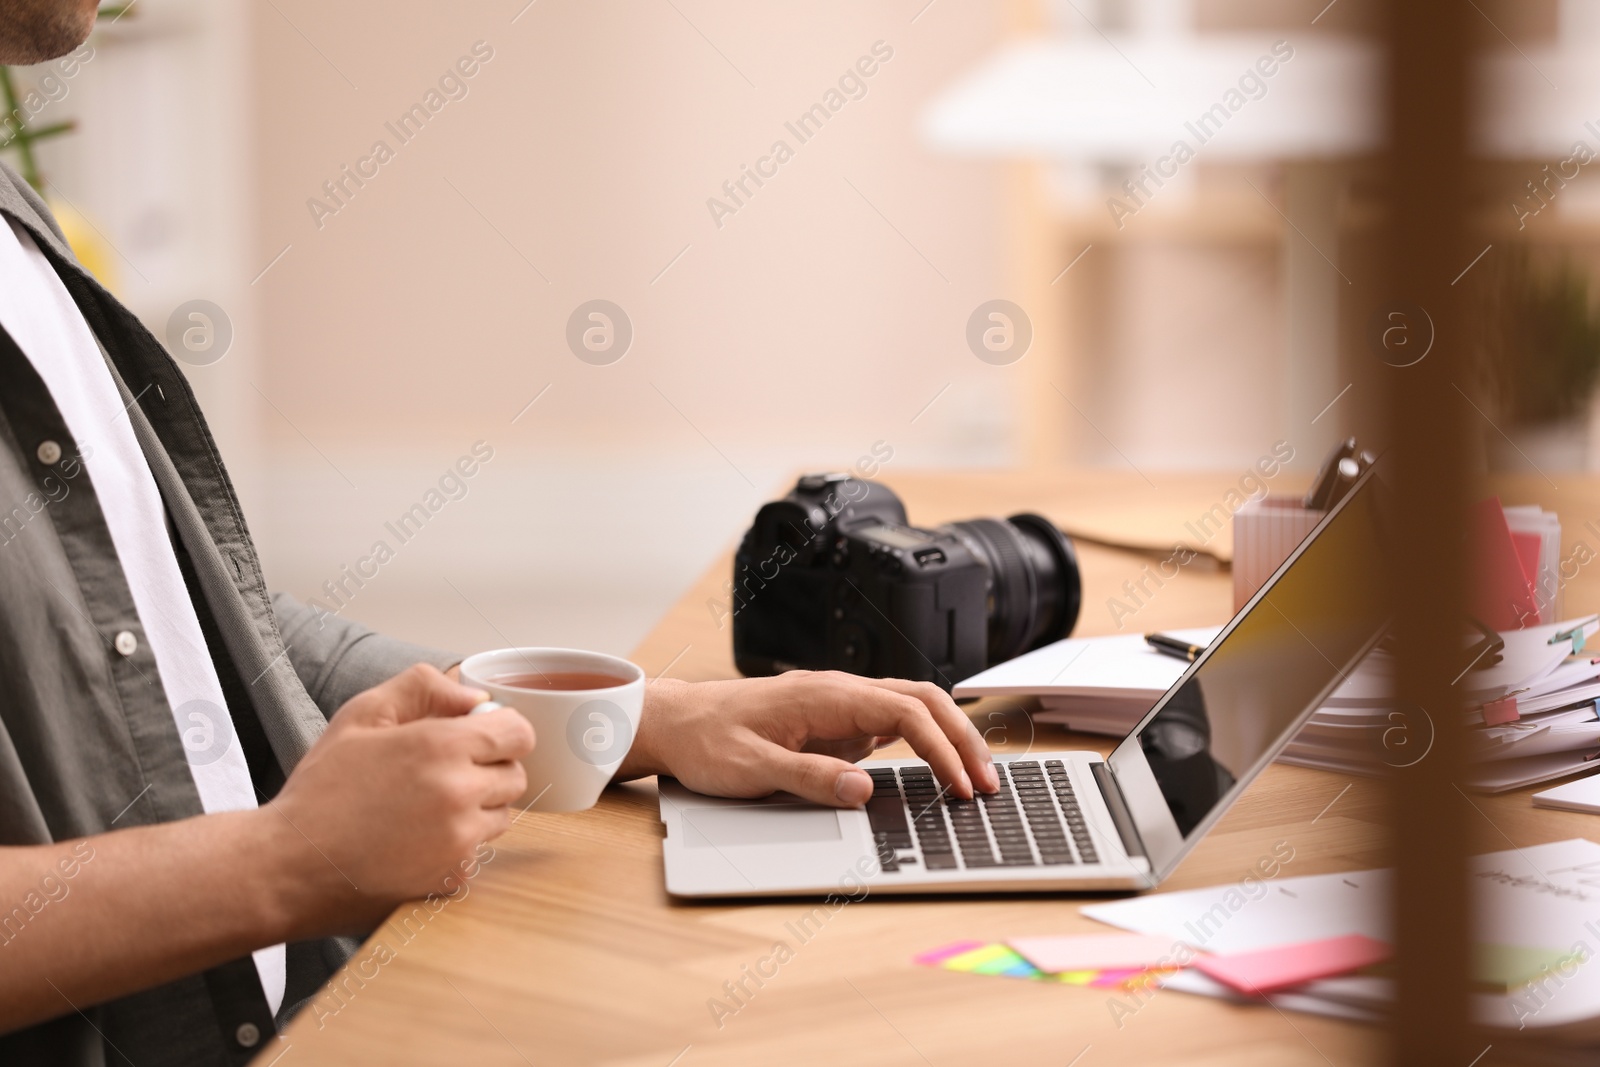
[(402, 787), (390, 800), (801, 732)]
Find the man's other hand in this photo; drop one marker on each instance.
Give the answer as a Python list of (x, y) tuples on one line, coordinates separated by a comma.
[(801, 732)]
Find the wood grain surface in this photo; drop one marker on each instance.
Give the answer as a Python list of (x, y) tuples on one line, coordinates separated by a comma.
[(565, 949)]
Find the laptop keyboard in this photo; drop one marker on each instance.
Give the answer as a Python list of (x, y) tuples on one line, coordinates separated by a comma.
[(1034, 820)]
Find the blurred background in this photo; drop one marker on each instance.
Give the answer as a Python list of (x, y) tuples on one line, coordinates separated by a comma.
[(394, 309)]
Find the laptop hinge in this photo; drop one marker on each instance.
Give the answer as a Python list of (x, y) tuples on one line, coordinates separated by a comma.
[(1119, 810)]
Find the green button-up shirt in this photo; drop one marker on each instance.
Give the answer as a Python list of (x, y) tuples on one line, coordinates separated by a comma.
[(88, 743)]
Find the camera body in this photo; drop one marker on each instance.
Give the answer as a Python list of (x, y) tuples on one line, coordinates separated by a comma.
[(833, 577)]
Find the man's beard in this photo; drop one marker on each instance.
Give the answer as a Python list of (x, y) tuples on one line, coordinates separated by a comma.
[(32, 31)]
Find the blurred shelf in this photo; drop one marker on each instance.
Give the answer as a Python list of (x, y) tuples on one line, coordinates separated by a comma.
[(1213, 215), (1130, 102), (1126, 100)]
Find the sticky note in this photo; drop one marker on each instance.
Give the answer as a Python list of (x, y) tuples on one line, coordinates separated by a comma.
[(1096, 951), (979, 957), (1087, 978), (934, 957), (992, 959), (1119, 977), (1266, 970), (1507, 967)]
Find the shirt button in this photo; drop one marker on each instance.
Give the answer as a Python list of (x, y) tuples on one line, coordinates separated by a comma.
[(49, 453), (125, 643), (248, 1035)]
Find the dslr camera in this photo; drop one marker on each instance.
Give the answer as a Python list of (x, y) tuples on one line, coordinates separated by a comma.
[(833, 577)]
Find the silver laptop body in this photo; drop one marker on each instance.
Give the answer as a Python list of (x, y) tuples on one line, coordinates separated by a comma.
[(1070, 820)]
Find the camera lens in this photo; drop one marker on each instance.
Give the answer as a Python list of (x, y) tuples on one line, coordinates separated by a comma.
[(1034, 588)]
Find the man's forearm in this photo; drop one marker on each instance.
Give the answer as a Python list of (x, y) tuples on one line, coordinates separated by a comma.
[(82, 922), (662, 698)]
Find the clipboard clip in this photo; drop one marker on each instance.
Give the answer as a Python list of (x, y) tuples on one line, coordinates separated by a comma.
[(1484, 653)]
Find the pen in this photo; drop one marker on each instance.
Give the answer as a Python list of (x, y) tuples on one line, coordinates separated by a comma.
[(1171, 646)]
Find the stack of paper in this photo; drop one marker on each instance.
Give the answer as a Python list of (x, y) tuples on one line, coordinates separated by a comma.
[(1532, 710), (1099, 685), (1531, 714), (1535, 942), (1536, 721), (1105, 685)]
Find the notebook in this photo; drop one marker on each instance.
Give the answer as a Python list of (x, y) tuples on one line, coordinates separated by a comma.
[(1581, 795)]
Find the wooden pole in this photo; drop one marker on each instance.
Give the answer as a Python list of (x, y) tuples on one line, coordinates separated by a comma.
[(1426, 244)]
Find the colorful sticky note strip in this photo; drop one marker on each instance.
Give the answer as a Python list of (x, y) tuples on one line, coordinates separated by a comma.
[(1096, 951), (1127, 977), (1507, 967), (977, 957), (934, 957), (992, 959), (1266, 970)]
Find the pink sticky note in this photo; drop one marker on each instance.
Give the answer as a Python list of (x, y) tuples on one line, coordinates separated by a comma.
[(1114, 978), (1269, 969), (1095, 952), (934, 957)]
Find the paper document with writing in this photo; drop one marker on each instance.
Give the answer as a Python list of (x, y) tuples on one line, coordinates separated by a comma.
[(1540, 903)]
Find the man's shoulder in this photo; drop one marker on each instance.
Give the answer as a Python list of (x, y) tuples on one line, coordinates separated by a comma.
[(18, 198)]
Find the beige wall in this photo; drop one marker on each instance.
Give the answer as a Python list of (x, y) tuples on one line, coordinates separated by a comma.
[(820, 318), (372, 350), (591, 142), (813, 323)]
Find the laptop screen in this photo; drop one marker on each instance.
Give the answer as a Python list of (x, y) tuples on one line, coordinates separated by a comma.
[(1247, 694)]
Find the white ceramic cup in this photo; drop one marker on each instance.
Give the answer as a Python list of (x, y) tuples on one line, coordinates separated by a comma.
[(582, 734)]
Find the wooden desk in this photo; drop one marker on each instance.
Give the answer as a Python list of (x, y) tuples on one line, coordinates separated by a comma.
[(566, 949)]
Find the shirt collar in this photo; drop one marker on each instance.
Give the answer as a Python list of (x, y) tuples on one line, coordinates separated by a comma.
[(19, 201)]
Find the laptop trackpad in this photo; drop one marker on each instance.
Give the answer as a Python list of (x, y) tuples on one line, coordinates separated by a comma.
[(763, 824)]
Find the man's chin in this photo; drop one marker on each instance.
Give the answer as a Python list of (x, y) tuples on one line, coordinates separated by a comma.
[(35, 31)]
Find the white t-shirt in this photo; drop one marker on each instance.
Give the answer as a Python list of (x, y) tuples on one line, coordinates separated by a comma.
[(39, 314)]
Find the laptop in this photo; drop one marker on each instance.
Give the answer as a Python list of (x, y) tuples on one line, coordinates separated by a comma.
[(1071, 820)]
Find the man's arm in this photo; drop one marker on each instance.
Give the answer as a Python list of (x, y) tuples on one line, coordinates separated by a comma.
[(148, 905), (399, 792), (337, 658), (396, 794)]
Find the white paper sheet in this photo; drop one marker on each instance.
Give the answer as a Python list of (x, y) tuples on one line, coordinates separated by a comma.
[(1499, 776), (1528, 657), (1542, 896), (1581, 795), (1577, 738), (1119, 666), (1574, 672)]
